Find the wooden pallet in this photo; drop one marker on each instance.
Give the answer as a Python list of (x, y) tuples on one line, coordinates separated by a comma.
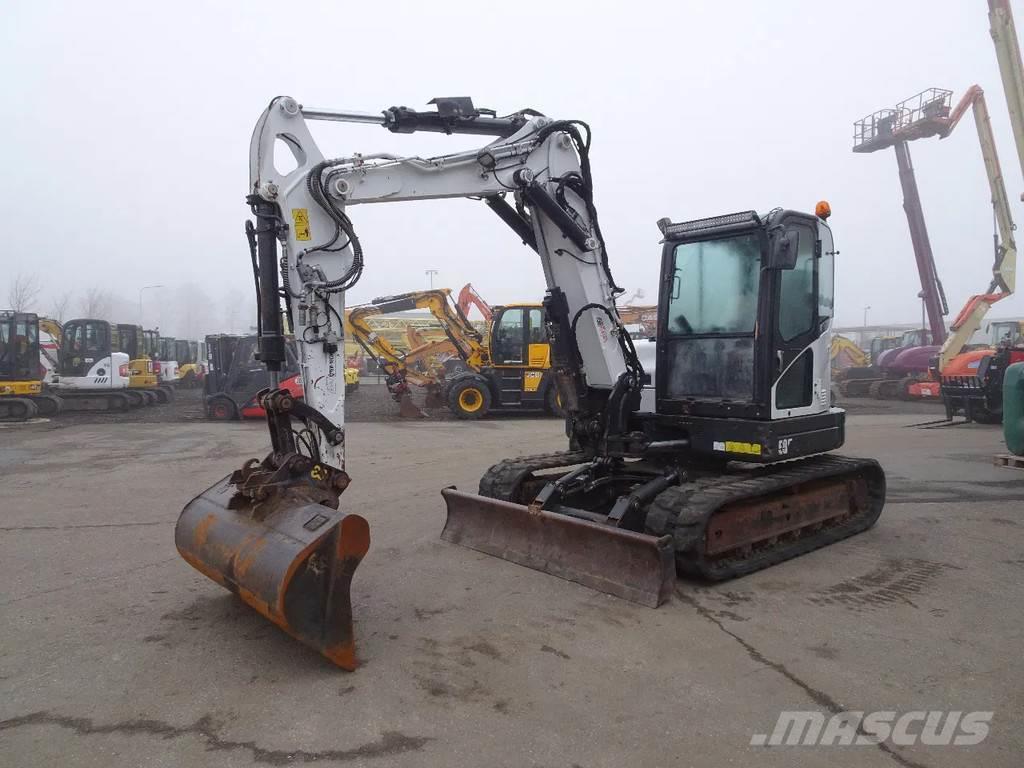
[(1008, 460)]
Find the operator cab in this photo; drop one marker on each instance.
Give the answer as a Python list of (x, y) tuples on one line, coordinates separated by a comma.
[(19, 346), (151, 344), (1006, 332), (130, 340), (519, 337), (86, 342), (743, 339)]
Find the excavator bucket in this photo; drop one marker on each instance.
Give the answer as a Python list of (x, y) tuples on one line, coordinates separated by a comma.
[(293, 563), (629, 565)]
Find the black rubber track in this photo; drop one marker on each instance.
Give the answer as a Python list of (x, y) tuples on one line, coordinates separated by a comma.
[(684, 511)]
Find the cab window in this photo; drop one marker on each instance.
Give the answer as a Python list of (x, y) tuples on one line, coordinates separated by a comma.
[(538, 333), (798, 298), (507, 345)]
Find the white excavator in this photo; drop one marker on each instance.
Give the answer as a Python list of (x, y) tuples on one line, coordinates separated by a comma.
[(729, 473)]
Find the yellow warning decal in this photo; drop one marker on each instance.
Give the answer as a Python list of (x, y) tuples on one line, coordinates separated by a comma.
[(734, 446), (301, 218)]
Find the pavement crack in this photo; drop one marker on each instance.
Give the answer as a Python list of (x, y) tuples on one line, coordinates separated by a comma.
[(78, 526), (821, 698), (205, 728)]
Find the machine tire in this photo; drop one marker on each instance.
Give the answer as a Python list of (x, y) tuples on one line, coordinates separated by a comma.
[(150, 397), (168, 390), (982, 415), (553, 401), (469, 397), (134, 398), (222, 409), (162, 395)]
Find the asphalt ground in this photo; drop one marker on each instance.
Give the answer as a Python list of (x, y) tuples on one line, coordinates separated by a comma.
[(113, 651)]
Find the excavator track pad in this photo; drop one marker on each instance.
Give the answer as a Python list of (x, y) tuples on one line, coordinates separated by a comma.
[(713, 526), (283, 551)]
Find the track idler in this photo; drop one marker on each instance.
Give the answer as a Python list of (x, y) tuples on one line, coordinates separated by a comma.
[(272, 534)]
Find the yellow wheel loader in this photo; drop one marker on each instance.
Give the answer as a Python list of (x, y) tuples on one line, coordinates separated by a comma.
[(505, 370)]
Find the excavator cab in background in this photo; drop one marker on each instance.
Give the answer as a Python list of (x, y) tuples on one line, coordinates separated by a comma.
[(164, 371), (93, 373), (191, 369), (168, 360), (21, 386), (142, 376)]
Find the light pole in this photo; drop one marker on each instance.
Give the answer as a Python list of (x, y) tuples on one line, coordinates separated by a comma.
[(430, 273), (144, 288), (866, 316)]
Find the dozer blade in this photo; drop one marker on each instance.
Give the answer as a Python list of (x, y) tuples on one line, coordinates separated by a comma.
[(618, 562), (293, 564)]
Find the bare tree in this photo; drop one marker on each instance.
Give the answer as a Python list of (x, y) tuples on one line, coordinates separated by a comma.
[(59, 307), (24, 291), (96, 303)]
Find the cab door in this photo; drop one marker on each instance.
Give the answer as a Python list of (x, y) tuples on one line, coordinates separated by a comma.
[(802, 322), (509, 353), (538, 357)]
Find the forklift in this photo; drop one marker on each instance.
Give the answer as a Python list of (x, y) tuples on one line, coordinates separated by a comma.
[(235, 377), (21, 386)]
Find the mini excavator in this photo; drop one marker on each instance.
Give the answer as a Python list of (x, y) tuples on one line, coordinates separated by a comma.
[(730, 473)]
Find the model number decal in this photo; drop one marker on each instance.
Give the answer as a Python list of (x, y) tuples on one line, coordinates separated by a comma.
[(784, 445)]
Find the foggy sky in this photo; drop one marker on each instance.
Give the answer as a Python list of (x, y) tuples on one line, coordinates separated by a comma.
[(127, 130)]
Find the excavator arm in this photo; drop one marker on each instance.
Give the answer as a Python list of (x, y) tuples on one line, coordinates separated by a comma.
[(543, 163), (468, 297), (272, 531)]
